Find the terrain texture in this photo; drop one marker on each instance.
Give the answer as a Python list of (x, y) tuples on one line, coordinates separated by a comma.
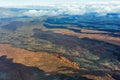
[(62, 47)]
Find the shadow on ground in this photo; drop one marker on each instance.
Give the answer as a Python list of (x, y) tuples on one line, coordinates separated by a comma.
[(98, 73), (16, 71)]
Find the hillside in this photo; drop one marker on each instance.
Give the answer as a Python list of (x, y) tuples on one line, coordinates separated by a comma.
[(51, 43), (49, 66)]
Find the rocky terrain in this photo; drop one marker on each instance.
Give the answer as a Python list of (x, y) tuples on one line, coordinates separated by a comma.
[(20, 64), (58, 47)]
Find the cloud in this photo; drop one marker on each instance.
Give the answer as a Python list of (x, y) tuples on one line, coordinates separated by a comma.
[(34, 12), (102, 8), (99, 7), (105, 7), (76, 9)]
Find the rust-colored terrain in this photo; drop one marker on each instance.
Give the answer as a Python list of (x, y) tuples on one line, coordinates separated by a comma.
[(17, 63), (92, 34), (58, 47)]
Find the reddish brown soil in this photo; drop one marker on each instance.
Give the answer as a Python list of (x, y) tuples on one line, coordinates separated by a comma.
[(43, 61), (102, 37)]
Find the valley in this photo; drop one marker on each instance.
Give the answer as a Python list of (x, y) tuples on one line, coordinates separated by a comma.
[(62, 47)]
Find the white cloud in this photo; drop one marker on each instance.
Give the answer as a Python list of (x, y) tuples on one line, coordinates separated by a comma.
[(41, 12), (99, 7), (76, 9), (106, 7)]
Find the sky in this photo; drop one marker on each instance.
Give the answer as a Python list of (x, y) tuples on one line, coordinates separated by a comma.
[(42, 2)]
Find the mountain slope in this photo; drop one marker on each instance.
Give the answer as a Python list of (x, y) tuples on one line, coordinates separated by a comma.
[(54, 65)]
